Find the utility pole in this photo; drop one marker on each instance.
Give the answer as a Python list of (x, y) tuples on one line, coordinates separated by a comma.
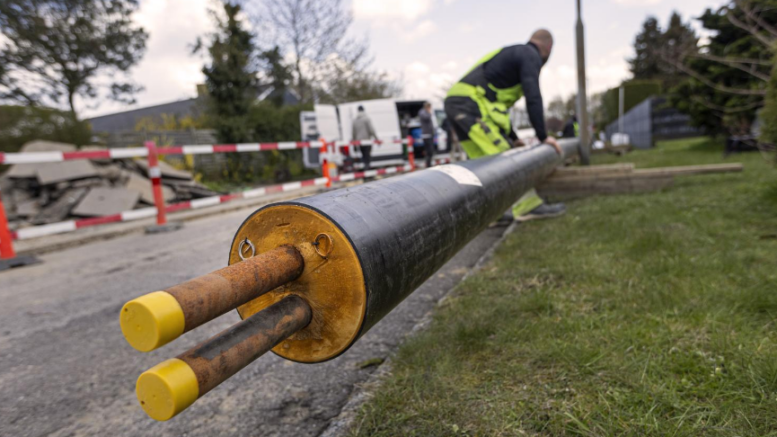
[(582, 96)]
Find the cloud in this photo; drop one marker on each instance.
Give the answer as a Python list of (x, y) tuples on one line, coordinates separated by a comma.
[(468, 27), (418, 31), (637, 2), (424, 82), (407, 10), (168, 71)]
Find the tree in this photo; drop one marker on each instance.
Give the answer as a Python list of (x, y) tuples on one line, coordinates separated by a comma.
[(677, 41), (346, 83), (313, 33), (557, 108), (63, 49), (654, 47), (278, 74), (728, 76), (231, 77), (646, 63)]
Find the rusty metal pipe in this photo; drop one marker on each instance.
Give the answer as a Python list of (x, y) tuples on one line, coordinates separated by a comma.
[(170, 387), (155, 319)]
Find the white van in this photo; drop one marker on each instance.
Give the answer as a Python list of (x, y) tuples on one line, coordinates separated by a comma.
[(393, 121)]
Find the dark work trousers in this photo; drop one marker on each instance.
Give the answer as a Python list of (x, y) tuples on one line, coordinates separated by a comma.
[(366, 152), (429, 148)]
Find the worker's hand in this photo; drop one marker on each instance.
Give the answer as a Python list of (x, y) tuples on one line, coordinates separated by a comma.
[(518, 143), (552, 141)]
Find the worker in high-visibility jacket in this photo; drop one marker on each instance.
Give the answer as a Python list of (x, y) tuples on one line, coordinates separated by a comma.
[(478, 108), (571, 128)]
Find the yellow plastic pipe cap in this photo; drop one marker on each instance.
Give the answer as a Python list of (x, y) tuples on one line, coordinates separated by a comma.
[(151, 321), (167, 389)]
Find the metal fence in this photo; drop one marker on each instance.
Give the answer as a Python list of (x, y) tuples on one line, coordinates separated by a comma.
[(654, 120)]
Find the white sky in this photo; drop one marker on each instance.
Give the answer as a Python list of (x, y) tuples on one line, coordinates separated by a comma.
[(428, 43)]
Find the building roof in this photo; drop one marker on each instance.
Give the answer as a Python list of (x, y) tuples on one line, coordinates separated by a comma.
[(126, 121)]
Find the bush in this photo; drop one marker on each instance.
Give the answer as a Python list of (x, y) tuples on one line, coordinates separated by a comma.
[(21, 124), (769, 113)]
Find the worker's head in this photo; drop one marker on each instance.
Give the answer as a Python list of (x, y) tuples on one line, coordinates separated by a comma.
[(428, 106), (361, 108), (544, 42)]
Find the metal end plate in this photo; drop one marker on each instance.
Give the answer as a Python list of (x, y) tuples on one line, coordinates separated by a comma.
[(332, 281)]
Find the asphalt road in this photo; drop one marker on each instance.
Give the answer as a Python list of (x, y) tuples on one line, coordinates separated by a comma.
[(65, 369)]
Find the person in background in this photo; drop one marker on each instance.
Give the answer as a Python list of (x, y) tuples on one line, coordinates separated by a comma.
[(363, 131), (571, 129), (479, 105), (427, 132)]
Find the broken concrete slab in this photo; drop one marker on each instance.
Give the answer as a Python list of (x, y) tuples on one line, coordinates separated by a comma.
[(27, 209), (60, 209), (142, 186), (106, 201), (30, 170), (53, 172), (167, 170)]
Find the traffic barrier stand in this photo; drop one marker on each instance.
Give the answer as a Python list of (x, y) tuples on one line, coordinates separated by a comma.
[(410, 152), (323, 157), (155, 174), (8, 257)]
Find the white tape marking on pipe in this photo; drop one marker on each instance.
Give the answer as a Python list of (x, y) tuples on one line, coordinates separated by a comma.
[(27, 158), (197, 150), (137, 214), (391, 170), (131, 152), (460, 174), (347, 177), (320, 181), (370, 173), (154, 172), (248, 147), (41, 231), (292, 186), (287, 145), (316, 144), (207, 201), (259, 192)]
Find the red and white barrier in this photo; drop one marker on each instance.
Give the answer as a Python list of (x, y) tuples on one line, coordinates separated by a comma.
[(151, 152), (138, 214), (137, 152)]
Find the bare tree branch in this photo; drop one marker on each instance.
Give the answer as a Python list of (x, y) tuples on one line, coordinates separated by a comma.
[(722, 88), (739, 66), (753, 30), (757, 18), (727, 59), (725, 109)]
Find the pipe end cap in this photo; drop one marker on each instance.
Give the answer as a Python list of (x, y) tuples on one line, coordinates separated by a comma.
[(152, 321), (167, 389)]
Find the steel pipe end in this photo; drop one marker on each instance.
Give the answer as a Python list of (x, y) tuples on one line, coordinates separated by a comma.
[(167, 389), (151, 321)]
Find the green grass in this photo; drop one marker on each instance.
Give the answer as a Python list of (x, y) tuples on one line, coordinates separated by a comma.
[(633, 315)]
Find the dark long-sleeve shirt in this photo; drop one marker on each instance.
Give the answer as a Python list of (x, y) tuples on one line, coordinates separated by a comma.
[(516, 65)]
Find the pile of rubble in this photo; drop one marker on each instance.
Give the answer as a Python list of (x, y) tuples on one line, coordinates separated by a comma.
[(38, 194)]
